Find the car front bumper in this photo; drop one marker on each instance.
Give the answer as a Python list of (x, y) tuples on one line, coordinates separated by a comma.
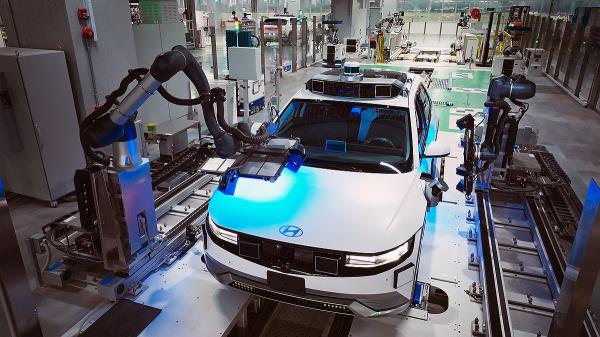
[(386, 293)]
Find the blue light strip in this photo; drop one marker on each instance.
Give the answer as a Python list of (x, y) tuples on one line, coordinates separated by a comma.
[(260, 203)]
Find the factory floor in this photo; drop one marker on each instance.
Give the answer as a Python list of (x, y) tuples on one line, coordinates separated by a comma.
[(565, 126)]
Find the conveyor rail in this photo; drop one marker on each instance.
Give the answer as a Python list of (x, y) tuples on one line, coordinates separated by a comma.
[(520, 285)]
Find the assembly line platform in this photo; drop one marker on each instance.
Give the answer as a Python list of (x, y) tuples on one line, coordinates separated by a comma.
[(193, 303)]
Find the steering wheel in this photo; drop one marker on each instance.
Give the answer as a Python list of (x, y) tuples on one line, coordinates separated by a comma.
[(380, 141)]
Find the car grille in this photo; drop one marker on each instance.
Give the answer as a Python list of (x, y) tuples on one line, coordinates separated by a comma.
[(291, 259)]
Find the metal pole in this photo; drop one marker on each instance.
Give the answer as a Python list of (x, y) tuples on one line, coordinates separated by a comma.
[(294, 44), (280, 44), (246, 89), (555, 41), (565, 40), (573, 57), (263, 50), (15, 295), (192, 17), (314, 42), (486, 43), (213, 45), (303, 43), (584, 63), (582, 269), (595, 89)]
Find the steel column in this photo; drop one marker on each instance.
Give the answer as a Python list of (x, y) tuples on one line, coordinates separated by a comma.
[(582, 269), (314, 41), (213, 46), (294, 44), (303, 43), (548, 33), (527, 23), (573, 57), (566, 37), (584, 64), (555, 41), (532, 35), (537, 32), (280, 44), (595, 90), (191, 15), (15, 296), (263, 49), (542, 31)]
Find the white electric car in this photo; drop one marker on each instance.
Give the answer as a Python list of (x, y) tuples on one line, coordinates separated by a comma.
[(343, 233), (271, 28)]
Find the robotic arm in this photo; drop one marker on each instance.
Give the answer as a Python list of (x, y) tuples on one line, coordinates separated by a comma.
[(106, 126), (501, 87)]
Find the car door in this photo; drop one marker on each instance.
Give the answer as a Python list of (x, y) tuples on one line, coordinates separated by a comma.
[(426, 131)]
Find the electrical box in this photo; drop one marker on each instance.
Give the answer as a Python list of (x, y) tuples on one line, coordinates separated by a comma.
[(534, 59), (244, 63), (470, 47), (42, 149), (507, 65)]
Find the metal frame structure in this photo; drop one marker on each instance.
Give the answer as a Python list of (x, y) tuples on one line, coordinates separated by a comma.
[(15, 297), (582, 269)]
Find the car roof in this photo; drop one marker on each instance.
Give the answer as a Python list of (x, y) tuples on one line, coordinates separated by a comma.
[(408, 82)]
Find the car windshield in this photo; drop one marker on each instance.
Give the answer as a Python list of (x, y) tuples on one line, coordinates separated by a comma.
[(273, 21), (350, 136)]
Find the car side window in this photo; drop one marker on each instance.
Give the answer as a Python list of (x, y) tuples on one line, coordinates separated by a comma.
[(426, 104), (423, 107)]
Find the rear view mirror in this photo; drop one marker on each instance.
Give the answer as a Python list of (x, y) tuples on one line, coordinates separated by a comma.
[(436, 150)]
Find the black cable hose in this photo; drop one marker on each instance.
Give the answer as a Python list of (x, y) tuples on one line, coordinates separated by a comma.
[(179, 101), (505, 107), (261, 136)]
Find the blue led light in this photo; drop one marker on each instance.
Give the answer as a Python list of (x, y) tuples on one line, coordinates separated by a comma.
[(355, 112), (259, 203)]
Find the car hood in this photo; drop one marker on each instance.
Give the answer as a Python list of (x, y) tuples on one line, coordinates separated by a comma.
[(339, 210)]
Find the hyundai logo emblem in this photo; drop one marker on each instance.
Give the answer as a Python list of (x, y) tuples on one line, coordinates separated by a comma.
[(291, 231)]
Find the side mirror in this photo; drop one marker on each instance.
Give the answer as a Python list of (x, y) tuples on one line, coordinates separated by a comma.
[(436, 150)]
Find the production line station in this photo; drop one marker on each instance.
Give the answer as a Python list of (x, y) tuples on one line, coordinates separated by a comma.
[(299, 168)]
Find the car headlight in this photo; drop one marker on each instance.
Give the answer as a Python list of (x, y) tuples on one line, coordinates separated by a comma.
[(221, 233), (370, 261)]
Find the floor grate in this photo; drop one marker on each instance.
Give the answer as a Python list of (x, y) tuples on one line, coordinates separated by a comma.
[(439, 83), (550, 166), (442, 103), (563, 209)]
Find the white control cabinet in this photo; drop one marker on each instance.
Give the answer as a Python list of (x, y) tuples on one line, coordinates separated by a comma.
[(39, 133)]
